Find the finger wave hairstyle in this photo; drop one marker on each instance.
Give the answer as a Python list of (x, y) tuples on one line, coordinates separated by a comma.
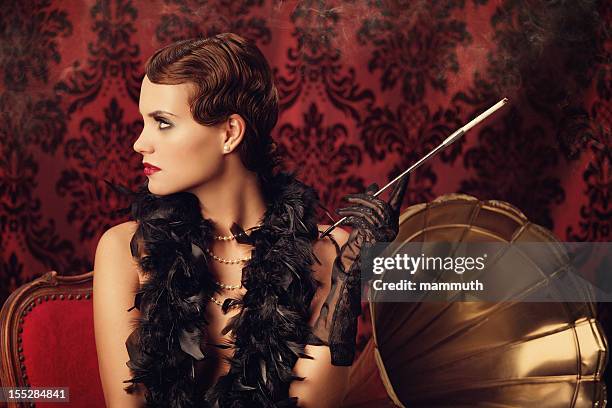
[(231, 76)]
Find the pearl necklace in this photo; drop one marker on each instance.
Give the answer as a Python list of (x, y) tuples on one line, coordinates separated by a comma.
[(218, 303), (229, 287), (224, 286), (230, 237), (226, 261)]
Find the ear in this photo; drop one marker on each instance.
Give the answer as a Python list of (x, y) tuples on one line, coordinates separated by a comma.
[(234, 129)]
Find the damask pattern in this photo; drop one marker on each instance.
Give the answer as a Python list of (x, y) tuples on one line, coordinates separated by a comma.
[(33, 126), (366, 88), (546, 51), (404, 136), (526, 184), (29, 32), (314, 68), (596, 216), (98, 153), (313, 144), (113, 60), (194, 18), (414, 44)]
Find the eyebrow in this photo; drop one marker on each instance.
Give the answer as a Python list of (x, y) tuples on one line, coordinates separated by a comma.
[(159, 112)]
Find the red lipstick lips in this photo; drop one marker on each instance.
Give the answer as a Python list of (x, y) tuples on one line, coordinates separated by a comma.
[(149, 169)]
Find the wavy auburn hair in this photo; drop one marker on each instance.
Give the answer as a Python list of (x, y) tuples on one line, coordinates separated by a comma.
[(231, 76)]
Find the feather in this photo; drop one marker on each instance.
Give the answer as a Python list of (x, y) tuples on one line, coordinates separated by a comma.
[(262, 367), (190, 343), (271, 328)]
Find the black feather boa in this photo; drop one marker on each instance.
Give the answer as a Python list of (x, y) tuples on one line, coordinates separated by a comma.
[(271, 328)]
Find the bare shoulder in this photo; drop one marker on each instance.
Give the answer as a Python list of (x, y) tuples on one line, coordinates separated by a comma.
[(122, 231), (114, 246)]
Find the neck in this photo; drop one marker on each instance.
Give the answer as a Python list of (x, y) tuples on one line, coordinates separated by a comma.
[(232, 198)]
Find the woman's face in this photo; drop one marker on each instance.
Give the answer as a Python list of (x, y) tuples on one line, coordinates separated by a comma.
[(187, 152)]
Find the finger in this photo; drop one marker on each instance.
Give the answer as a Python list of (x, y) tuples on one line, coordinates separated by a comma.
[(360, 212), (397, 195), (346, 197), (369, 191), (355, 222), (373, 203)]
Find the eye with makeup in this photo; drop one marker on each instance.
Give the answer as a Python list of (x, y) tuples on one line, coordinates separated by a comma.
[(161, 122)]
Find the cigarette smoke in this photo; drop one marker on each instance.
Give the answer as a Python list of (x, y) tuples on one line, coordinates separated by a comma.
[(548, 51)]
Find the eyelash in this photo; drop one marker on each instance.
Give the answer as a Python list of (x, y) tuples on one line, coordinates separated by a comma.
[(160, 120)]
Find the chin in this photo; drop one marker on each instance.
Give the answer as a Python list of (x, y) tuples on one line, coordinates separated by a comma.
[(155, 188)]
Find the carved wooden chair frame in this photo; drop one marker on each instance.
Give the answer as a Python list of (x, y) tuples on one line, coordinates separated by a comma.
[(46, 288)]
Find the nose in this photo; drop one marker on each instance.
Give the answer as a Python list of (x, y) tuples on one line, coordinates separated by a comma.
[(141, 145)]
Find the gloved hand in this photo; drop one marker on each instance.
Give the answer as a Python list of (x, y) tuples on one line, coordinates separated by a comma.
[(373, 221)]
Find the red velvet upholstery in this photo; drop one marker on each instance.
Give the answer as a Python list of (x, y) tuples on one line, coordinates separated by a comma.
[(47, 339)]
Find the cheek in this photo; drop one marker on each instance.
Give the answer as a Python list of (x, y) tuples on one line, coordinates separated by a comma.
[(188, 158), (204, 149), (195, 158)]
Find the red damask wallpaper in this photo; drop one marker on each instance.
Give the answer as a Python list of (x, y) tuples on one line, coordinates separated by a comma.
[(367, 87)]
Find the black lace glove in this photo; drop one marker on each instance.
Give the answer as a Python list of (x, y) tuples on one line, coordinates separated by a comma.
[(373, 221)]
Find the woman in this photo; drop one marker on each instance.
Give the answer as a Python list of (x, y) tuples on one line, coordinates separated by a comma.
[(220, 292)]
